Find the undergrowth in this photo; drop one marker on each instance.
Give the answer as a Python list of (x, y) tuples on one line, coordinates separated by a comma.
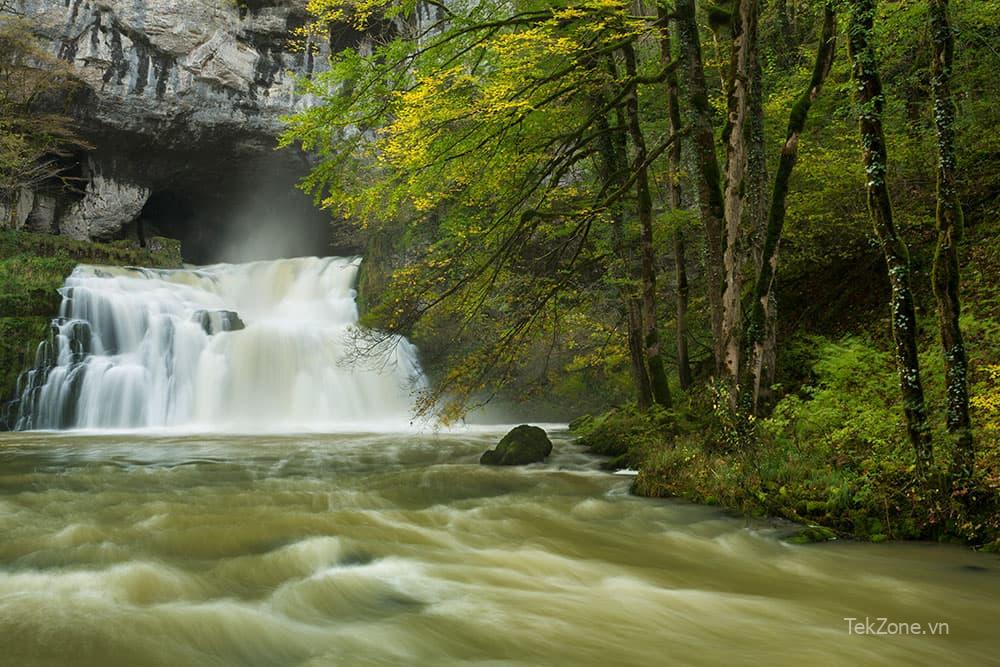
[(833, 454)]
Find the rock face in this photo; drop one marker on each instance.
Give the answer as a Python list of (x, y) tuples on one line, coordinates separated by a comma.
[(107, 204), (182, 102), (522, 445), (217, 321), (173, 65)]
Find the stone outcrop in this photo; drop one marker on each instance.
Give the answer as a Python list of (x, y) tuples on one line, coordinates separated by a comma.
[(178, 69), (182, 99), (218, 321), (107, 204), (524, 444)]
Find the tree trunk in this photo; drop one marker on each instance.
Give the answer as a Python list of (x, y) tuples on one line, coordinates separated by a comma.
[(904, 322), (786, 47), (746, 178), (674, 188), (761, 327), (949, 226), (612, 170), (736, 166), (708, 178), (755, 210), (644, 206), (640, 374)]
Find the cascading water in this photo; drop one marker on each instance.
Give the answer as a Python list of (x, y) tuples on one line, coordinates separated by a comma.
[(266, 345)]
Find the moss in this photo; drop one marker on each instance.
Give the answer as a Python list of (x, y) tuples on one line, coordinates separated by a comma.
[(19, 336), (622, 434), (580, 424), (811, 535), (33, 267)]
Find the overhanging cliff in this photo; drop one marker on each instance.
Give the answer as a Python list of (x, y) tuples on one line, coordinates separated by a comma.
[(183, 101)]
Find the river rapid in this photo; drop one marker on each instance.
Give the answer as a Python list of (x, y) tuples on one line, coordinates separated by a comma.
[(388, 549)]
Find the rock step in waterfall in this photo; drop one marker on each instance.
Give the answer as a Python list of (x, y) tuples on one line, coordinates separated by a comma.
[(271, 345)]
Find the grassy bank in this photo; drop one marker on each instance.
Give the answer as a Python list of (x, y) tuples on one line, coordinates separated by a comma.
[(33, 267)]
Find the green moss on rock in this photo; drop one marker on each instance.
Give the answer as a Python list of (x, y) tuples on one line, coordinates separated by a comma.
[(811, 534)]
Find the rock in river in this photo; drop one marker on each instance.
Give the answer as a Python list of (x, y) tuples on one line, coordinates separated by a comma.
[(524, 444)]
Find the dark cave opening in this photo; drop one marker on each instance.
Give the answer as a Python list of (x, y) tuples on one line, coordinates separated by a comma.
[(253, 212), (229, 198), (237, 225)]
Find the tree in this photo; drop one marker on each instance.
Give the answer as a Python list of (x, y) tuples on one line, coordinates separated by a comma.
[(684, 375), (32, 142), (950, 227), (485, 133), (708, 178), (871, 102), (760, 326), (745, 179), (644, 206)]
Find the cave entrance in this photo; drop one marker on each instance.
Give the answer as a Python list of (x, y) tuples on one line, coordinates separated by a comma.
[(238, 220)]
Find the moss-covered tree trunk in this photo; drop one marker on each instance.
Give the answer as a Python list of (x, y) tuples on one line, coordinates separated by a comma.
[(644, 206), (755, 206), (707, 176), (612, 169), (949, 226), (871, 100), (760, 326), (674, 188), (734, 135), (745, 182)]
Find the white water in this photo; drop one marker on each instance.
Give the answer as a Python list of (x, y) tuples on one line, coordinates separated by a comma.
[(130, 351)]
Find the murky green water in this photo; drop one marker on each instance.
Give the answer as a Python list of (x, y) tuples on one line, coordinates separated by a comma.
[(400, 550)]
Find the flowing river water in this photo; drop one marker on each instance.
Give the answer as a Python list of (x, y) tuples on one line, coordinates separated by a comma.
[(383, 549), (126, 542)]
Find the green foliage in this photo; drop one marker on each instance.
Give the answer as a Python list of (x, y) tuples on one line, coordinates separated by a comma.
[(470, 157), (30, 141), (827, 218), (835, 454), (19, 337), (623, 434), (479, 143)]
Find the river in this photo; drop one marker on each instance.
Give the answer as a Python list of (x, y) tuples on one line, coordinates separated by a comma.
[(382, 549)]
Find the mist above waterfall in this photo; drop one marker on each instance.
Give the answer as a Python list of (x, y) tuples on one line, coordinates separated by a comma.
[(237, 347)]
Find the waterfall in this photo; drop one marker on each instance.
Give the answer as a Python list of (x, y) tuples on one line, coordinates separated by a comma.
[(271, 345)]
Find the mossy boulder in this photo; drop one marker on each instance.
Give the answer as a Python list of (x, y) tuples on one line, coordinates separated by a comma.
[(812, 534), (524, 444)]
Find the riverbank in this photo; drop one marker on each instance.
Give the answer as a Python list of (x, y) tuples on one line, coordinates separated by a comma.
[(33, 267), (834, 452), (832, 455)]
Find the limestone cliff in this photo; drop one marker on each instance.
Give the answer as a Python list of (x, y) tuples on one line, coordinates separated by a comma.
[(182, 68), (183, 102)]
